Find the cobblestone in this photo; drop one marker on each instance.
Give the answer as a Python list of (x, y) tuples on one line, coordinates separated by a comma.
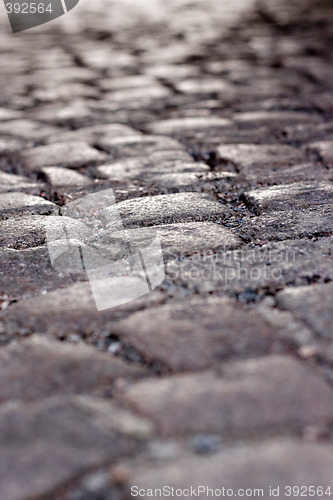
[(284, 197), (179, 207), (311, 305), (198, 334), (267, 266), (61, 437), (67, 154), (58, 176), (38, 368), (26, 129), (274, 463), (211, 122), (21, 203), (9, 182), (235, 400)]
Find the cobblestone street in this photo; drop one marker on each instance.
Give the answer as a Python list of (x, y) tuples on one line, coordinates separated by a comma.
[(212, 122)]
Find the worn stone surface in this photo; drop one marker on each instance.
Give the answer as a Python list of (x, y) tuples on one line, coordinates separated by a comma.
[(39, 367), (198, 334), (149, 168), (10, 182), (21, 203), (287, 224), (256, 469), (175, 125), (189, 238), (254, 269), (136, 145), (283, 197), (312, 305), (59, 176), (26, 129), (95, 134), (67, 154), (243, 155), (61, 438), (324, 149), (68, 310), (211, 122), (171, 208), (236, 399)]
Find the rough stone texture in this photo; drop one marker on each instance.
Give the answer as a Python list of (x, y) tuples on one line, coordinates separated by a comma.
[(324, 149), (312, 304), (58, 176), (61, 438), (274, 463), (149, 168), (171, 208), (198, 334), (10, 182), (283, 197), (65, 311), (287, 224), (243, 155), (136, 145), (253, 270), (38, 367), (175, 125), (21, 203), (94, 135), (67, 154), (235, 400), (26, 129), (211, 122), (189, 238)]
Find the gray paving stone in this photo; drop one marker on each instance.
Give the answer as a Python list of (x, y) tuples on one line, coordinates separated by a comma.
[(25, 272), (245, 155), (61, 438), (236, 399), (175, 125), (187, 238), (308, 132), (178, 207), (273, 118), (312, 305), (24, 232), (150, 167), (57, 91), (288, 224), (138, 96), (253, 468), (16, 203), (10, 182), (94, 134), (302, 196), (67, 154), (67, 309), (59, 176), (325, 151), (205, 86), (8, 114), (8, 146), (265, 174), (125, 147), (26, 129), (127, 82), (197, 334), (38, 367), (258, 268)]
